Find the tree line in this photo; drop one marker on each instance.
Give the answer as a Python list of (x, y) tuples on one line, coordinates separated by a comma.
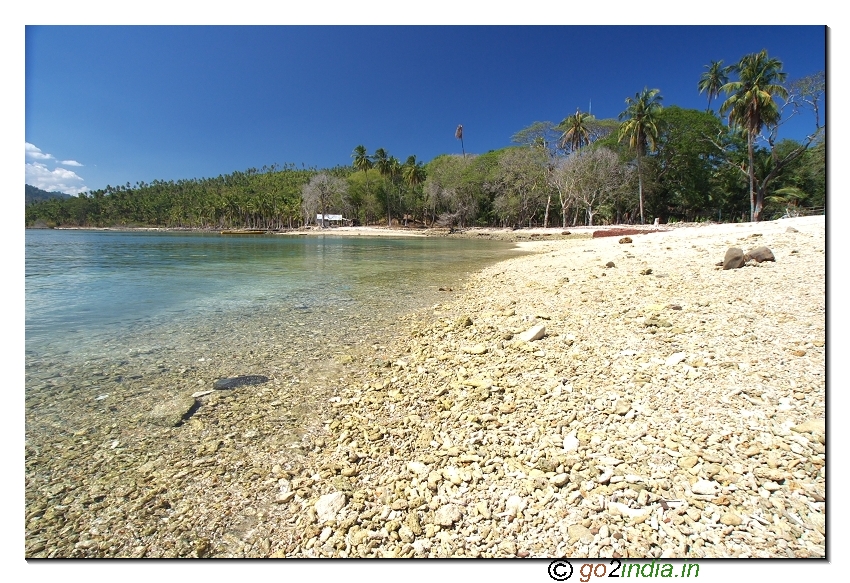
[(650, 162)]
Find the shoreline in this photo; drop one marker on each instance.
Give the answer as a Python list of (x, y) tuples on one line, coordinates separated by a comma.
[(487, 233)]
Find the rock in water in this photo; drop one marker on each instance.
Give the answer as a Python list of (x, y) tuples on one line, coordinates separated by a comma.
[(760, 254), (171, 413), (234, 382), (734, 258)]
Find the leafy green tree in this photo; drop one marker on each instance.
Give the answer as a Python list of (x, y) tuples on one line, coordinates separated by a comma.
[(751, 106), (713, 80), (641, 129), (686, 161)]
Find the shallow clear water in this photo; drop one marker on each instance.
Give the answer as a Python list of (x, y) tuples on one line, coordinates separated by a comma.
[(104, 295)]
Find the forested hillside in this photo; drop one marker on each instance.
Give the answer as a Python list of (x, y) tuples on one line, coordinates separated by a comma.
[(34, 194)]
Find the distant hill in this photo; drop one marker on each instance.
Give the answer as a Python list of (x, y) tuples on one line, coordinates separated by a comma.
[(36, 194)]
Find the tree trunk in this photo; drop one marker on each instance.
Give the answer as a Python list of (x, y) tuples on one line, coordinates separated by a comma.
[(546, 215), (752, 175), (640, 189)]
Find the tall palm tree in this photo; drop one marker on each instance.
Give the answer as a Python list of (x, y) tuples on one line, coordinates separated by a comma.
[(751, 107), (713, 80), (576, 132), (381, 161), (641, 128), (459, 136), (363, 163), (413, 173), (383, 164)]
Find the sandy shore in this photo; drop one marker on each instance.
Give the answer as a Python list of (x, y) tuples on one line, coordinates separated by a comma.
[(668, 408)]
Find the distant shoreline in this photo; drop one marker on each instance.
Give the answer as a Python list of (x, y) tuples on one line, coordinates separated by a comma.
[(486, 233)]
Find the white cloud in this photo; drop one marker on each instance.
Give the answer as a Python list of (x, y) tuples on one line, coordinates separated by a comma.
[(70, 163), (36, 154), (57, 180)]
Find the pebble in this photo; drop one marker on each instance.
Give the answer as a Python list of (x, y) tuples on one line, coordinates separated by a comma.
[(447, 515)]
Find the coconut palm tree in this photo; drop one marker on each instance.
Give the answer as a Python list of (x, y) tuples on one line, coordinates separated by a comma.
[(413, 173), (713, 79), (641, 128), (576, 131), (459, 136), (751, 107), (383, 163), (362, 161)]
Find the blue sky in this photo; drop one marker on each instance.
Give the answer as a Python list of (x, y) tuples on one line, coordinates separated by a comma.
[(116, 104)]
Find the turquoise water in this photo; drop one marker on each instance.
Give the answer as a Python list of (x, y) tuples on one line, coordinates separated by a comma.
[(103, 295)]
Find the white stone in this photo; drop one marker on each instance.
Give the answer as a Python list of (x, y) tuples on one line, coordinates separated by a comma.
[(447, 515), (533, 333), (329, 505), (571, 442), (704, 487), (675, 358), (514, 505)]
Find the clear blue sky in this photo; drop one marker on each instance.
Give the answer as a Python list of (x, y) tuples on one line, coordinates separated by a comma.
[(116, 104)]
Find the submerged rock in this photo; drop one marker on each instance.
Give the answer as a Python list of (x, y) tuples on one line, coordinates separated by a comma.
[(172, 412), (234, 382)]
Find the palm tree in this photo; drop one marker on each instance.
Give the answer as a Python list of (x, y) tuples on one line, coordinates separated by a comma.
[(576, 132), (751, 107), (641, 128), (413, 172), (459, 136), (713, 80), (383, 163), (362, 162)]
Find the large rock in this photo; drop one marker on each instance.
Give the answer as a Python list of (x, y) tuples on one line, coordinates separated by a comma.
[(734, 258), (760, 254), (172, 412)]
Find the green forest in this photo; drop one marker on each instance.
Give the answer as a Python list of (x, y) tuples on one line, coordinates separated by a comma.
[(654, 161)]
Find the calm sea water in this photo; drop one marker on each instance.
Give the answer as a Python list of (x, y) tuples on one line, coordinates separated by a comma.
[(96, 294)]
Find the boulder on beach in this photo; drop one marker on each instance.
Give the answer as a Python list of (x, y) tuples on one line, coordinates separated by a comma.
[(734, 258), (760, 254)]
